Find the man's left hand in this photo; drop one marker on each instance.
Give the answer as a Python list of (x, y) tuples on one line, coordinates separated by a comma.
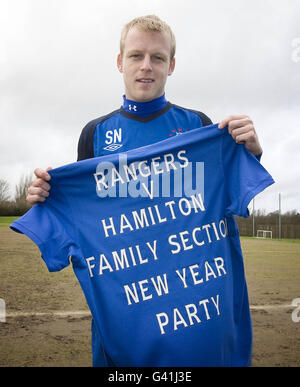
[(242, 131)]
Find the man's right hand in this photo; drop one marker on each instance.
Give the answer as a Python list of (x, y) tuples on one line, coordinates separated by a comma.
[(39, 188)]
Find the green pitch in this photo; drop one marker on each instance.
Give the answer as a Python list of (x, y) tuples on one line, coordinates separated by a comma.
[(5, 221)]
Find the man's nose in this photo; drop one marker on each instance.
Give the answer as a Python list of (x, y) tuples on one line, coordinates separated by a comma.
[(146, 64)]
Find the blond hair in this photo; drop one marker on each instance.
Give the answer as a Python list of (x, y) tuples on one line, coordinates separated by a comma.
[(149, 23)]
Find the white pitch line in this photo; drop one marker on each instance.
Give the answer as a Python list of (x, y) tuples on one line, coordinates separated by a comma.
[(78, 313), (83, 313), (268, 307)]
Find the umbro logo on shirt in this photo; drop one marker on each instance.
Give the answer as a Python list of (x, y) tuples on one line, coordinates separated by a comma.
[(113, 147), (113, 140)]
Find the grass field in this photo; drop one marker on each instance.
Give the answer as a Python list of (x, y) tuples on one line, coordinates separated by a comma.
[(39, 331), (5, 221)]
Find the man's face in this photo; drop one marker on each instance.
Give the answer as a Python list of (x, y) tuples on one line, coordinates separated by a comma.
[(145, 64)]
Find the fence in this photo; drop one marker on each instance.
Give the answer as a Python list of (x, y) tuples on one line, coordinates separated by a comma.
[(290, 228)]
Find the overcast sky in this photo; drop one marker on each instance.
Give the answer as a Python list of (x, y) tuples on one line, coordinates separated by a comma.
[(58, 71)]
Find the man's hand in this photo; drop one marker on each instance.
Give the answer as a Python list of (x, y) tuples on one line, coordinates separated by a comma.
[(39, 188), (242, 130)]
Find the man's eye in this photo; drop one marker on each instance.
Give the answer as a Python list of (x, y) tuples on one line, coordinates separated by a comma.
[(135, 56), (159, 58)]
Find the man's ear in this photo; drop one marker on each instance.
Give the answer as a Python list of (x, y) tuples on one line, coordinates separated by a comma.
[(171, 67), (119, 63)]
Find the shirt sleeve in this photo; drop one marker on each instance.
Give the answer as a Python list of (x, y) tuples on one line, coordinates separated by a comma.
[(46, 226), (85, 148), (244, 176)]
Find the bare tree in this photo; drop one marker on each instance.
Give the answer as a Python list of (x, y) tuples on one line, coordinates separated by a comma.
[(21, 193), (4, 191)]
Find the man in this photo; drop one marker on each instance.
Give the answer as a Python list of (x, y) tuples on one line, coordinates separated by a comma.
[(146, 59), (180, 288)]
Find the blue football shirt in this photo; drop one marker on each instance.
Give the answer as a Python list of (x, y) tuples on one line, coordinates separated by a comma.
[(153, 242), (137, 124)]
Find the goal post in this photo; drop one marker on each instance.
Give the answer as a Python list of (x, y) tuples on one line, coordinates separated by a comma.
[(264, 234)]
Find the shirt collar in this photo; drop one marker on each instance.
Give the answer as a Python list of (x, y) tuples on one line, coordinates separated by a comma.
[(144, 108)]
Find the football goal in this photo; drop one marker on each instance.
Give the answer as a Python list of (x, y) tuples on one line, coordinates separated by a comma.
[(264, 234)]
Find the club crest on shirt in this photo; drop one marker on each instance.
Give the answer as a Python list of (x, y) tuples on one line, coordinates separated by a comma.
[(113, 140), (176, 132)]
